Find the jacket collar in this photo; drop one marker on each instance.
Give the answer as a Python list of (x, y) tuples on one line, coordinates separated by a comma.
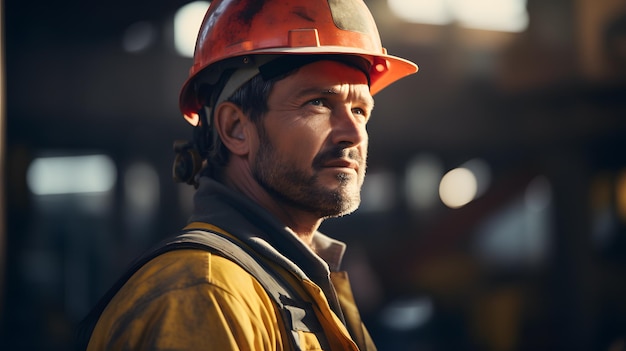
[(216, 204)]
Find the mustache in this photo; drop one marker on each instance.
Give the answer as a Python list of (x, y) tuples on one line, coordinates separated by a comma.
[(338, 152)]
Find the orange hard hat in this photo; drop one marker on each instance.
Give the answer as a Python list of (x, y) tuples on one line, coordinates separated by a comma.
[(235, 31)]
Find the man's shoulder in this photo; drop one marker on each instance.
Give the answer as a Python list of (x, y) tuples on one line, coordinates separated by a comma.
[(188, 274), (180, 286), (191, 269)]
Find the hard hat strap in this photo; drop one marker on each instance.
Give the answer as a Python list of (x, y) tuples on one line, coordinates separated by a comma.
[(236, 81)]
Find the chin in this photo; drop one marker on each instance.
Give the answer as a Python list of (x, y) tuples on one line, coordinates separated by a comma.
[(338, 214), (343, 204)]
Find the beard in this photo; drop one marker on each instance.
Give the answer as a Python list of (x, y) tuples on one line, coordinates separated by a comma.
[(297, 188)]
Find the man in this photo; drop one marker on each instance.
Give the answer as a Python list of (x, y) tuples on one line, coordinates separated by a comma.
[(280, 95)]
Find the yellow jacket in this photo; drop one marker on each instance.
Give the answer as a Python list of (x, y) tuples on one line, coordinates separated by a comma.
[(193, 299)]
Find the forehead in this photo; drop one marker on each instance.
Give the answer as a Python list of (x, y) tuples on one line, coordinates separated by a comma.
[(327, 75), (331, 70)]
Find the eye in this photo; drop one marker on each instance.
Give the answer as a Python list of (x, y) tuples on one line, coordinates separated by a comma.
[(317, 102), (365, 114), (359, 111)]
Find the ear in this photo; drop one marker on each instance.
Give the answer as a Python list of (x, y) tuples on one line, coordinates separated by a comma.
[(230, 124)]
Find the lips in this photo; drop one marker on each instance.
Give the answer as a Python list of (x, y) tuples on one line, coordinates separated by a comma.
[(339, 157), (341, 163)]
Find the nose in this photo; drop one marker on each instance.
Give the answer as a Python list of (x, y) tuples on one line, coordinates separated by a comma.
[(348, 127)]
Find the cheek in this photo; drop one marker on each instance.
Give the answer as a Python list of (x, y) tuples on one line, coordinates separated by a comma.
[(304, 141), (304, 148), (364, 143)]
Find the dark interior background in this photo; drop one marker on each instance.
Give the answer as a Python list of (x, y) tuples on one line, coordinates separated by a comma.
[(544, 109)]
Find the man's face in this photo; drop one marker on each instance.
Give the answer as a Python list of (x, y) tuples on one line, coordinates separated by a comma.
[(313, 142)]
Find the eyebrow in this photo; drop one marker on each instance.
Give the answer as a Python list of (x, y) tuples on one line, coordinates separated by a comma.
[(369, 100)]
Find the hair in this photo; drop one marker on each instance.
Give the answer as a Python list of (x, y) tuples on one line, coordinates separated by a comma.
[(252, 99)]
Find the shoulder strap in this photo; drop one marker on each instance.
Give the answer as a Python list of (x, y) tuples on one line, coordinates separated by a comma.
[(297, 314)]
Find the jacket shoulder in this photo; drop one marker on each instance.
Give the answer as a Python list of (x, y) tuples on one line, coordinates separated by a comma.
[(187, 297)]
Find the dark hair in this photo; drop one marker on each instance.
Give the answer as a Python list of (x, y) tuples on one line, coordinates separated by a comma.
[(252, 99)]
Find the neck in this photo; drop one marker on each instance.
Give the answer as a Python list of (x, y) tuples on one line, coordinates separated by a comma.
[(303, 223)]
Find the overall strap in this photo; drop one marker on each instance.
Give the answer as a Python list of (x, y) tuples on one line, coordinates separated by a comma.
[(297, 314)]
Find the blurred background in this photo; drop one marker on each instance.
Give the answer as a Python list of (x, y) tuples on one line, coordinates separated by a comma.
[(494, 211)]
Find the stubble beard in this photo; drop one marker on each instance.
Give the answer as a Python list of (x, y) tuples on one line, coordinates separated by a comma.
[(294, 187)]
